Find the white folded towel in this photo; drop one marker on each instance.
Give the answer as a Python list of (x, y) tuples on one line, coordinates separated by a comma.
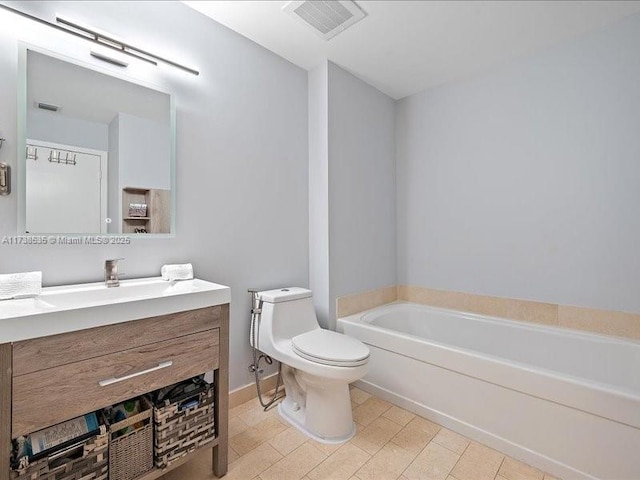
[(177, 272), (20, 285)]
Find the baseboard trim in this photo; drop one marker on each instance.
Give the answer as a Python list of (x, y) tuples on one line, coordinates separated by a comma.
[(249, 392), (505, 446)]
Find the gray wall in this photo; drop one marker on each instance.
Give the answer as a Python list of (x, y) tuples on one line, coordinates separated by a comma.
[(56, 128), (144, 152), (319, 192), (362, 216), (242, 169), (351, 188), (523, 182), (362, 187), (114, 195)]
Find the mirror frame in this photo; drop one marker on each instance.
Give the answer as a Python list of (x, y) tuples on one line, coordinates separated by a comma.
[(21, 143)]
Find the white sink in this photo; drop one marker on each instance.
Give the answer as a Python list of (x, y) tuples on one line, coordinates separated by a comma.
[(76, 307)]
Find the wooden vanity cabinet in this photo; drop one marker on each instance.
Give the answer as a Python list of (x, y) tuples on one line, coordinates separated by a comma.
[(51, 379)]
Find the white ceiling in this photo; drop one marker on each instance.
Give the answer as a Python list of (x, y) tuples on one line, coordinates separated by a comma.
[(403, 47)]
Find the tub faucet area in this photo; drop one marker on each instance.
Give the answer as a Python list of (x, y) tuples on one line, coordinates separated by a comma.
[(111, 278)]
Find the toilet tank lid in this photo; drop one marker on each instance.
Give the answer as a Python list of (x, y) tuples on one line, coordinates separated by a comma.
[(284, 294)]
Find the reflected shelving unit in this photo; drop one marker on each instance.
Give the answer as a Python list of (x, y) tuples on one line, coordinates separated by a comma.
[(158, 212)]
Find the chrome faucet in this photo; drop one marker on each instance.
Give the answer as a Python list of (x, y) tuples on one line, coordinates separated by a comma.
[(111, 272)]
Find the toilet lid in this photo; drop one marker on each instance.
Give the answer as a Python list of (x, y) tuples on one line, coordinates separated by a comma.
[(330, 348)]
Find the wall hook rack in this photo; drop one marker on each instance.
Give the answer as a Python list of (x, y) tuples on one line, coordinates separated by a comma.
[(32, 153), (2, 140), (68, 159)]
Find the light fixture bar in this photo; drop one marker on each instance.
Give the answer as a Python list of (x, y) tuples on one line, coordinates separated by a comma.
[(101, 40), (107, 58), (111, 42), (77, 34), (104, 40)]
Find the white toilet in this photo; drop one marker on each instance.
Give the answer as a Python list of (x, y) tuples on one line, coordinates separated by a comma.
[(317, 364)]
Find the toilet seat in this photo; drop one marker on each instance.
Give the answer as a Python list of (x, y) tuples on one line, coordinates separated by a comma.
[(330, 348)]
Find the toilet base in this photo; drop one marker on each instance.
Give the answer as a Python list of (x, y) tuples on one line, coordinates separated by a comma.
[(317, 406), (296, 418)]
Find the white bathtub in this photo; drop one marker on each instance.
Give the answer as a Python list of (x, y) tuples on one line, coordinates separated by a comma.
[(565, 401)]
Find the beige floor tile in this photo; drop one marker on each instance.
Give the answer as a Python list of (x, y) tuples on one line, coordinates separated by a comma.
[(373, 437), (512, 469), (388, 463), (255, 415), (359, 396), (341, 465), (399, 415), (287, 441), (236, 426), (369, 410), (433, 463), (295, 465), (326, 448), (245, 407), (451, 440), (233, 455), (250, 465), (246, 441), (416, 434), (391, 443), (478, 463)]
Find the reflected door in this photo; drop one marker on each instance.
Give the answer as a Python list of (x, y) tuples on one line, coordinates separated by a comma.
[(64, 194)]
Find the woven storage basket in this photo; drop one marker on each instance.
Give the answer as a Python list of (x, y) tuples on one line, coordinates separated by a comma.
[(92, 465), (131, 455), (179, 432)]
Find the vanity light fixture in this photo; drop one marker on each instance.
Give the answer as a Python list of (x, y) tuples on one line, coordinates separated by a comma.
[(103, 40), (108, 41), (107, 58)]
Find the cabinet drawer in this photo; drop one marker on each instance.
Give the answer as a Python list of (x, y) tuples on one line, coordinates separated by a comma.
[(51, 396), (41, 353)]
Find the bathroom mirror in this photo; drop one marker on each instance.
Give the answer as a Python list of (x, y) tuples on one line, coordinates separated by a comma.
[(98, 151)]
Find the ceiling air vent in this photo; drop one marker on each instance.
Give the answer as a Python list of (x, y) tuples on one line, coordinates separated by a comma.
[(327, 17)]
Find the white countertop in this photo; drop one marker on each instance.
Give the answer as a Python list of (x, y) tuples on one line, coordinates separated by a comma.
[(76, 307)]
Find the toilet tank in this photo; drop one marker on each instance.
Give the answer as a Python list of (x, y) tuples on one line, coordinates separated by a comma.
[(287, 312)]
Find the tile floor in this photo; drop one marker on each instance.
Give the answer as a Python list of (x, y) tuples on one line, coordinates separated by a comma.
[(391, 443)]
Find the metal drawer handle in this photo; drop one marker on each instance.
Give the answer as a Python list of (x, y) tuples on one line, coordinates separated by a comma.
[(111, 381)]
